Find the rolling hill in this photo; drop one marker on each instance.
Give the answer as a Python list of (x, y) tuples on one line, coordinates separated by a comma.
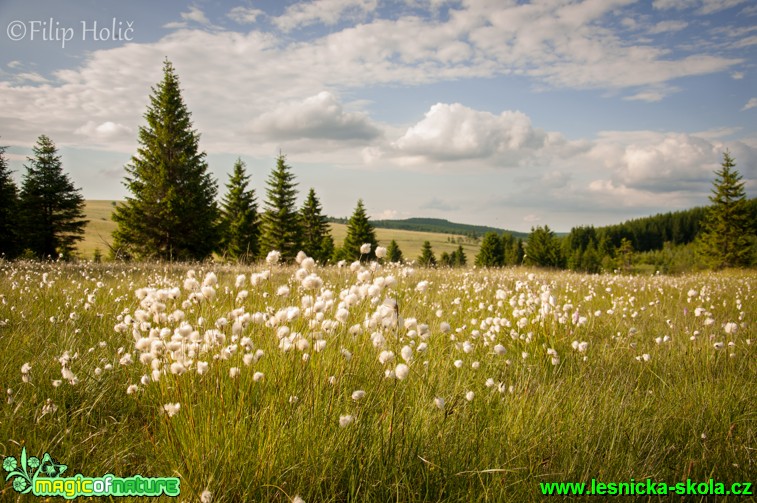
[(100, 228)]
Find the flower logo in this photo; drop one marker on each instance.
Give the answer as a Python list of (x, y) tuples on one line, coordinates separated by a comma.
[(25, 470)]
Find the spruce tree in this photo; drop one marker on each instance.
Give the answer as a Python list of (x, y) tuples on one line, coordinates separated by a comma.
[(171, 213), (426, 259), (280, 223), (393, 252), (52, 209), (543, 248), (727, 231), (490, 254), (359, 232), (316, 235), (239, 217), (459, 259), (8, 210)]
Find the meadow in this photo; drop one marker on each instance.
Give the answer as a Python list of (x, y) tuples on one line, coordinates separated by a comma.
[(374, 382), (99, 228)]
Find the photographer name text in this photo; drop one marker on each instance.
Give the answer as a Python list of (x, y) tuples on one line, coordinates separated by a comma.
[(50, 30)]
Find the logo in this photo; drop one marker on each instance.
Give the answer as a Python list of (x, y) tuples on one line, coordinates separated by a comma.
[(44, 477)]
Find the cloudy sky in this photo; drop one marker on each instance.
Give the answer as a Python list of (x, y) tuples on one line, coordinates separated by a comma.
[(500, 112)]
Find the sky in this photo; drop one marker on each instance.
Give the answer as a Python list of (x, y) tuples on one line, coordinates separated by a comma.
[(506, 113)]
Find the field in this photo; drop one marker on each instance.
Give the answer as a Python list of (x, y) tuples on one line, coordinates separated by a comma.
[(376, 383), (100, 227)]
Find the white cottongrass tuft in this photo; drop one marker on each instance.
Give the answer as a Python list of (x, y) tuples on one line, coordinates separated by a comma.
[(206, 496), (469, 396), (380, 252), (358, 394), (365, 249), (234, 372), (439, 403), (258, 376), (273, 257), (401, 371), (172, 408), (346, 420)]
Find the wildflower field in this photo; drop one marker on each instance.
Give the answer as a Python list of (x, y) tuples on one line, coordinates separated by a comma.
[(377, 382)]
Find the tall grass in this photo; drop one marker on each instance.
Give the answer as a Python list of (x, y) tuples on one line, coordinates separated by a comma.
[(685, 411)]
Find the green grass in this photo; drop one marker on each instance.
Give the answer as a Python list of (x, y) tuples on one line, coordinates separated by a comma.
[(604, 413), (99, 228)]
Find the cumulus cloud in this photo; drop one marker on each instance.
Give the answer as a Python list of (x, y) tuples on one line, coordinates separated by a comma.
[(318, 117), (104, 131), (453, 132)]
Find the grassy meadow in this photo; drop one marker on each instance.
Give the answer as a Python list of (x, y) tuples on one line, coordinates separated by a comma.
[(97, 235), (377, 383)]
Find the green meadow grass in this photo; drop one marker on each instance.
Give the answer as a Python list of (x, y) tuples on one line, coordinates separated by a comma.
[(605, 413), (100, 227)]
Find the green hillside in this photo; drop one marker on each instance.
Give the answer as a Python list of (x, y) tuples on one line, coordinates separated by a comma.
[(100, 228)]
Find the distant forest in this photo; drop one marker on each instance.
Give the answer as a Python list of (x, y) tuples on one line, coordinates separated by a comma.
[(439, 225)]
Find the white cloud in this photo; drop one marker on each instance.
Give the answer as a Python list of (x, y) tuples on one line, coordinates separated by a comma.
[(451, 132), (14, 64), (317, 117), (752, 103), (653, 94), (328, 12), (104, 131), (33, 77), (196, 15), (245, 15), (703, 7), (667, 27)]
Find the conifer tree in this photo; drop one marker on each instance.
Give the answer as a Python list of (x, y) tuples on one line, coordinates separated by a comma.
[(359, 232), (393, 252), (8, 210), (280, 223), (52, 209), (727, 231), (490, 254), (427, 258), (458, 257), (171, 213), (239, 217), (543, 248), (316, 236)]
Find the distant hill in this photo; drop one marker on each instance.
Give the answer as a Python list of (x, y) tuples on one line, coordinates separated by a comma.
[(438, 225)]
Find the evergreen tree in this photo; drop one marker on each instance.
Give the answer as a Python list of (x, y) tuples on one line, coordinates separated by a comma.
[(543, 248), (239, 217), (317, 242), (446, 260), (359, 232), (459, 259), (725, 240), (281, 222), (8, 210), (52, 209), (171, 213), (426, 259), (393, 252), (490, 254)]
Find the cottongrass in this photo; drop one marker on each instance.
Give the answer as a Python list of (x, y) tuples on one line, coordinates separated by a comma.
[(379, 373)]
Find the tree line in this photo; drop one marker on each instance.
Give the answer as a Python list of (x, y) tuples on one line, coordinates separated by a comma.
[(172, 213)]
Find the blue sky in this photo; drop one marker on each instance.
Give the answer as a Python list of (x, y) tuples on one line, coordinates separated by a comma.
[(497, 112)]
